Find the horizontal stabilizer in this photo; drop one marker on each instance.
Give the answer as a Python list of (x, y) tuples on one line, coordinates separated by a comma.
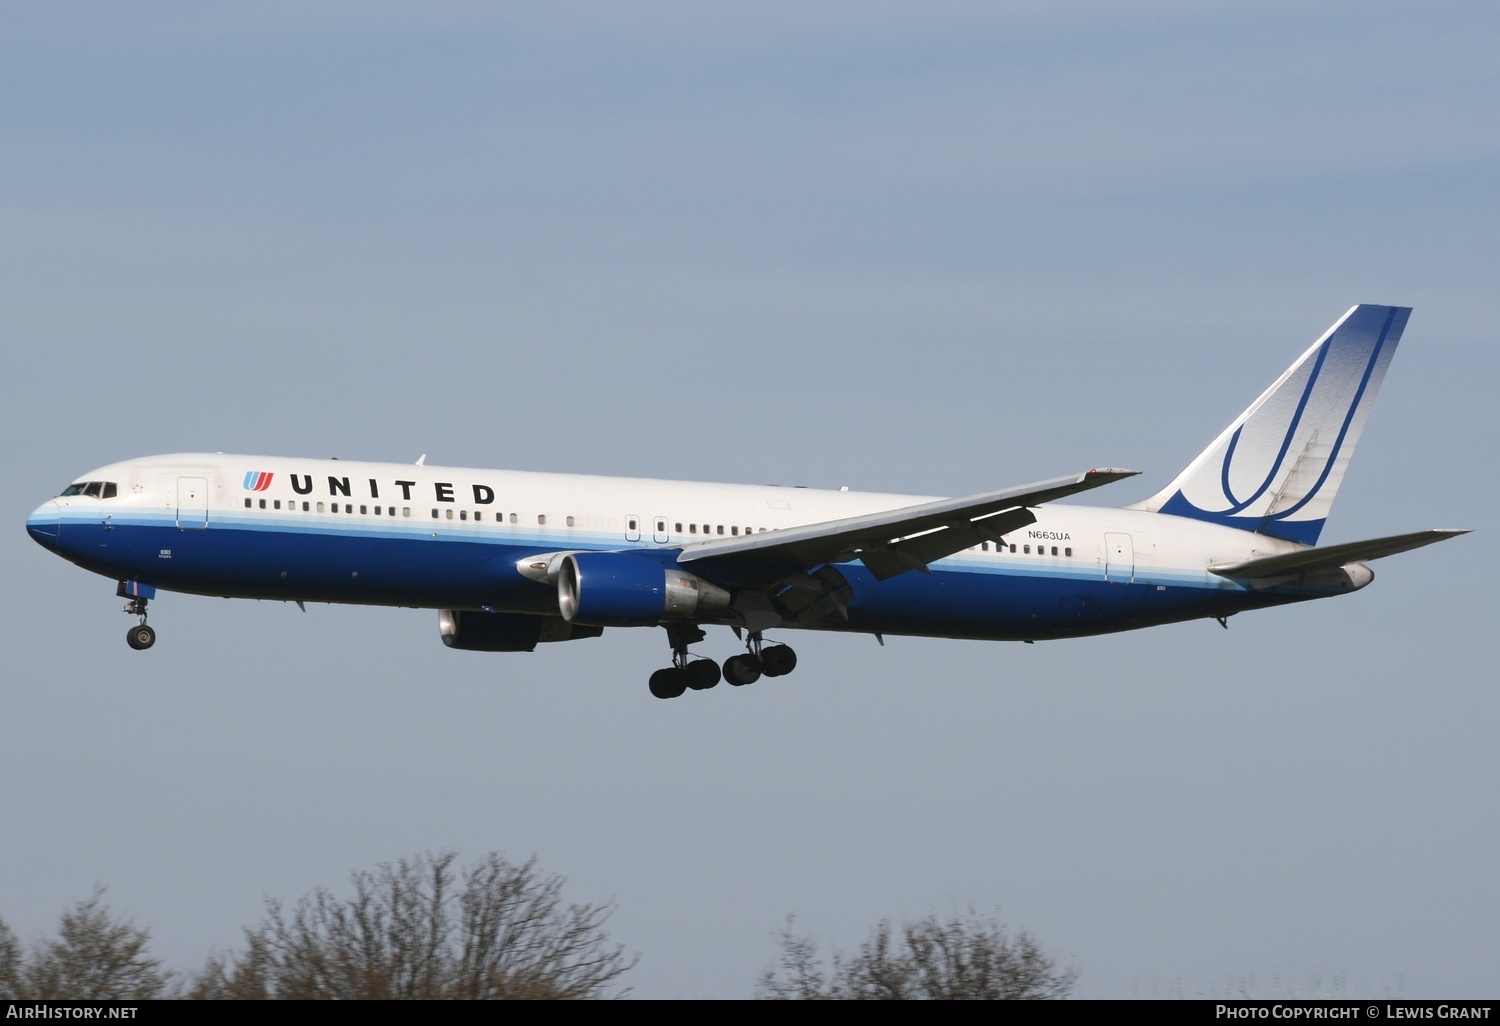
[(1331, 557)]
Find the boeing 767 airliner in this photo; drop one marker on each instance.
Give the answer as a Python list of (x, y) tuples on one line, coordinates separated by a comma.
[(511, 559)]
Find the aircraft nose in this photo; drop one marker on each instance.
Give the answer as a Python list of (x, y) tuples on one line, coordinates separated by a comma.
[(45, 525)]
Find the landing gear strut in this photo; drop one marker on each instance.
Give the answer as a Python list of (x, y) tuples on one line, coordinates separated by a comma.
[(760, 660), (139, 637), (685, 671)]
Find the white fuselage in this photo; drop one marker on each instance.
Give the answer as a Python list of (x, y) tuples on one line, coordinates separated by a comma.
[(451, 538)]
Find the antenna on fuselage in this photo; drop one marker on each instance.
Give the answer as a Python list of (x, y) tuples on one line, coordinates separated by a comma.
[(421, 459)]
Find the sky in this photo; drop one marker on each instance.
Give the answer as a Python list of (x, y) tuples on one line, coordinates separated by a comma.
[(938, 249)]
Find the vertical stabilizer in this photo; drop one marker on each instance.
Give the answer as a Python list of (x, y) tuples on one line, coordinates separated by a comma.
[(1276, 469)]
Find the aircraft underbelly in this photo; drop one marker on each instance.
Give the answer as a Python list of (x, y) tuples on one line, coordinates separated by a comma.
[(1007, 606), (331, 566)]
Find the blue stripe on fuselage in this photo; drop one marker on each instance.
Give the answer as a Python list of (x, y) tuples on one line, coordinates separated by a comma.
[(439, 564)]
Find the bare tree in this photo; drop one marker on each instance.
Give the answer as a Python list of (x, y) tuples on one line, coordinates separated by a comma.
[(969, 958), (95, 956), (10, 964), (420, 928)]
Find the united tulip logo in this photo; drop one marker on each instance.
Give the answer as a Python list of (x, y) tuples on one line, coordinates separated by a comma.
[(257, 481)]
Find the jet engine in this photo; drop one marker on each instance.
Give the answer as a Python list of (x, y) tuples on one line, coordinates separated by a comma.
[(614, 589), (477, 631)]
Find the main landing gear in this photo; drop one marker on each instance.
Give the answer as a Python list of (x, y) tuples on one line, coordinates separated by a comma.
[(702, 674), (140, 637)]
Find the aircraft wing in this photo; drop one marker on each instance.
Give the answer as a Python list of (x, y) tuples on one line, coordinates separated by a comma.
[(890, 542), (1330, 557)]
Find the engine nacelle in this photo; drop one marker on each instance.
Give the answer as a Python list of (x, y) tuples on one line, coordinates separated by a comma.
[(477, 631), (615, 589)]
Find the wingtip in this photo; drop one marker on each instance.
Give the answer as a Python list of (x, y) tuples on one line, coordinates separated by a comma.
[(1115, 473)]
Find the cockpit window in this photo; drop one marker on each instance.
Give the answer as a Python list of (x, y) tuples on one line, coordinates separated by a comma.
[(98, 489)]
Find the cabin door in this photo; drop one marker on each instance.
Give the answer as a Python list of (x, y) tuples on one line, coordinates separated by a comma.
[(192, 502), (1119, 559)]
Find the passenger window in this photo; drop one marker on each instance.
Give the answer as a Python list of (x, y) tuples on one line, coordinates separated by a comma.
[(692, 528), (679, 528), (1026, 549), (305, 508), (721, 528), (735, 530), (463, 514), (435, 514), (1054, 550), (247, 503), (320, 508), (513, 518), (406, 511), (276, 504), (661, 527), (1068, 551), (541, 518), (262, 503), (450, 513), (1012, 548), (365, 511), (479, 514)]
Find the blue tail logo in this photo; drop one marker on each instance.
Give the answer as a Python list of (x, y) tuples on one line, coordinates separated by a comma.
[(1277, 468)]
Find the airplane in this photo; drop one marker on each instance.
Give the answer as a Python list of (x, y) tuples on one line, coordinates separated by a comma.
[(514, 559)]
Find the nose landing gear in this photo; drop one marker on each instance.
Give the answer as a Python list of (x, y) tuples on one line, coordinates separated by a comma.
[(140, 637)]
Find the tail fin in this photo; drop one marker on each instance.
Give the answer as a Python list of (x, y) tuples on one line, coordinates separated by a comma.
[(1276, 469)]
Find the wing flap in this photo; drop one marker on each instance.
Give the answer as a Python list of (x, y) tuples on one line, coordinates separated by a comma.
[(1330, 557), (915, 553)]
